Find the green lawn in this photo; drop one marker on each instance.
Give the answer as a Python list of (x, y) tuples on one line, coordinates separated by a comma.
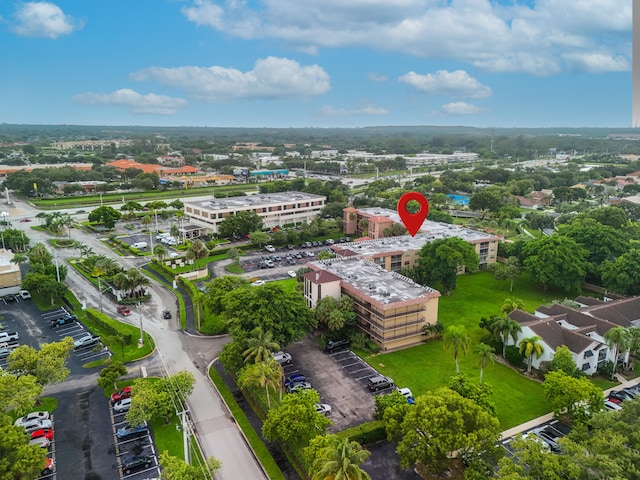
[(429, 366)]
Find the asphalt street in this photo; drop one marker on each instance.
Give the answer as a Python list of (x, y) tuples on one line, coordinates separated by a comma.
[(218, 433)]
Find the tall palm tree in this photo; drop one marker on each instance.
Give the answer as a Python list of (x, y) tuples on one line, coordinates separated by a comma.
[(457, 339), (137, 280), (264, 374), (486, 354), (259, 346), (160, 251), (511, 304), (175, 232), (618, 339), (506, 327), (19, 258), (39, 254), (530, 347), (199, 249), (340, 460)]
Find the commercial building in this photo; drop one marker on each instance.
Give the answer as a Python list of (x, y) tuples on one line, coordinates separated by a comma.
[(275, 209), (391, 309), (10, 275)]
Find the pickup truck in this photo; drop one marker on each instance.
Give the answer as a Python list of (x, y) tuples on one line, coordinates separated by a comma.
[(58, 322), (9, 336), (85, 341)]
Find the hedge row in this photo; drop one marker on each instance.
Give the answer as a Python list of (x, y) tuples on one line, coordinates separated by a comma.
[(366, 433), (99, 319)]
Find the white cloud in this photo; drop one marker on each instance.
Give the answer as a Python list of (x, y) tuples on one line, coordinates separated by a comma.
[(532, 36), (271, 78), (376, 77), (454, 84), (596, 62), (43, 19), (460, 108), (134, 101), (364, 109)]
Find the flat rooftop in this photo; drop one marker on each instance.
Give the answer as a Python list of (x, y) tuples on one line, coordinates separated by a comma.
[(247, 202), (374, 281)]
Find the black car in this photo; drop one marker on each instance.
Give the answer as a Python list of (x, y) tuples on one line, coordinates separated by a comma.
[(137, 463), (335, 345), (58, 322), (166, 314)]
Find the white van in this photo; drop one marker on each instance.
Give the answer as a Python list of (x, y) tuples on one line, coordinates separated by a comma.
[(139, 245), (160, 236)]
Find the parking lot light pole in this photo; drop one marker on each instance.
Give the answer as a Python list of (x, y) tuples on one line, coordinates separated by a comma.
[(141, 340)]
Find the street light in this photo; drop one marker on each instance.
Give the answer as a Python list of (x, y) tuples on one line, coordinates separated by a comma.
[(141, 339)]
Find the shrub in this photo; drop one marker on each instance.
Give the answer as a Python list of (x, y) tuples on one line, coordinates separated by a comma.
[(513, 356)]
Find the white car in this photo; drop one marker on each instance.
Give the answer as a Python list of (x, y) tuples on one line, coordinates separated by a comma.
[(323, 408), (282, 357), (24, 294), (30, 417), (405, 392), (36, 424), (257, 283), (174, 255), (292, 274), (122, 405), (85, 340), (609, 405), (270, 248), (42, 442)]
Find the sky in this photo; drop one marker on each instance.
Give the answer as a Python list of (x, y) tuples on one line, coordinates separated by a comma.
[(316, 63)]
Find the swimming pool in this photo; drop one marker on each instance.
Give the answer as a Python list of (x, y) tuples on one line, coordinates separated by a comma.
[(459, 199)]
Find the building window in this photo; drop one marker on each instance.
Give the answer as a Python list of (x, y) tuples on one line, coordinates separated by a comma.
[(588, 354), (585, 367)]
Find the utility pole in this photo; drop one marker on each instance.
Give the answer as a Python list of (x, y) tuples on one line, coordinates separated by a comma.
[(141, 340)]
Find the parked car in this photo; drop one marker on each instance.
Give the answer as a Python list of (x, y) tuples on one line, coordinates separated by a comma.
[(609, 405), (58, 322), (9, 336), (48, 467), (130, 431), (123, 310), (258, 283), (380, 382), (122, 405), (335, 345), (36, 424), (270, 248), (6, 351), (530, 436), (119, 395), (43, 432), (24, 294), (405, 392), (547, 438), (42, 442), (282, 357), (137, 463), (292, 274), (296, 377), (621, 395), (323, 408), (296, 387), (85, 341), (30, 417)]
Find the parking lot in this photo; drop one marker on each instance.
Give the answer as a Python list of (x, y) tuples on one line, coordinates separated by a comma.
[(340, 379), (136, 445)]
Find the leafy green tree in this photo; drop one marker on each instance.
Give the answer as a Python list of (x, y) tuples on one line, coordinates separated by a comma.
[(612, 216), (179, 385), (260, 344), (18, 459), (240, 224), (512, 270), (530, 461), (259, 238), (47, 365), (601, 241), (160, 251), (572, 399), (295, 421), (111, 374), (15, 240), (486, 354), (18, 392), (458, 340), (175, 468), (499, 272), (218, 288), (486, 200), (148, 402), (529, 347), (441, 259), (556, 261), (623, 274), (617, 339), (270, 307), (563, 361), (383, 402), (443, 422), (340, 459), (480, 393), (107, 216)]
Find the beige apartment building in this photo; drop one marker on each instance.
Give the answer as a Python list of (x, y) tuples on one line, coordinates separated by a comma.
[(275, 209), (10, 275), (391, 309), (396, 253)]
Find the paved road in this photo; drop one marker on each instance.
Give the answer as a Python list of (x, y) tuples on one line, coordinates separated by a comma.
[(217, 431)]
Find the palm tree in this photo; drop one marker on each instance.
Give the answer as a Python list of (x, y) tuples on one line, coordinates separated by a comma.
[(340, 460), (486, 354), (160, 251), (617, 339), (175, 232), (457, 339), (433, 330), (19, 258), (265, 374), (199, 249), (511, 304), (259, 346), (137, 280), (506, 327), (530, 347)]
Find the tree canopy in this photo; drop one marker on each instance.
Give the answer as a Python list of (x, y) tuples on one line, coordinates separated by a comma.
[(441, 259), (240, 224)]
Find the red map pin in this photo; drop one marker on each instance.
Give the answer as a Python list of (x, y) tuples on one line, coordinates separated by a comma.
[(413, 221)]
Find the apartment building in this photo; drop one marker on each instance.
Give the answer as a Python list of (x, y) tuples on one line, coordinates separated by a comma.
[(275, 209), (395, 253), (391, 309)]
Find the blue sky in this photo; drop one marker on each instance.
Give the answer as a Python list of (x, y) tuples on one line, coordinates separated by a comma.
[(317, 63)]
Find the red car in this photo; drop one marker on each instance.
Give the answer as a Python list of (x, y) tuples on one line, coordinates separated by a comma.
[(124, 393), (25, 220), (48, 466), (43, 432)]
